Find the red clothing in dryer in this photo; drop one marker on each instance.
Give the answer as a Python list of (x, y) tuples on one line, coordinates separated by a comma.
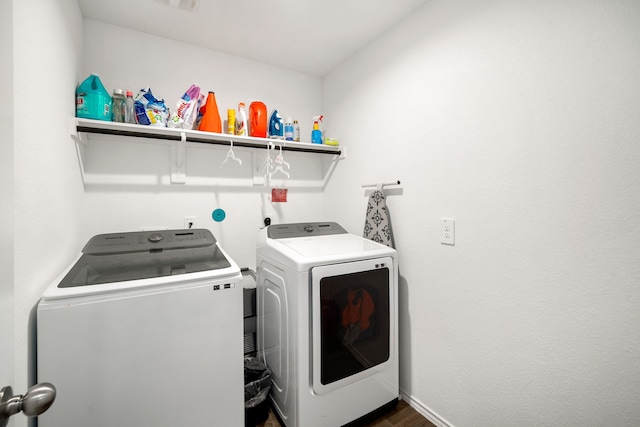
[(358, 310)]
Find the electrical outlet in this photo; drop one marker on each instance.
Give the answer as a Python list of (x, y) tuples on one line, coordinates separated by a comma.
[(448, 231), (190, 221)]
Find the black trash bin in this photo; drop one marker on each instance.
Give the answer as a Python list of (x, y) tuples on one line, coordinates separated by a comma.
[(257, 383)]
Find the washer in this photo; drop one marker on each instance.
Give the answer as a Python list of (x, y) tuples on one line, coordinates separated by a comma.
[(144, 329), (327, 322)]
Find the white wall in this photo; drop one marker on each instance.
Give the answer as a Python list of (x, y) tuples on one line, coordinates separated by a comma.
[(520, 120), (125, 58), (6, 196), (46, 52)]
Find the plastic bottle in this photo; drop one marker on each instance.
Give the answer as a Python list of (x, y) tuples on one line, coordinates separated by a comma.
[(316, 134), (231, 121), (93, 100), (296, 131), (258, 119), (129, 109), (241, 120), (117, 106), (210, 121), (288, 129)]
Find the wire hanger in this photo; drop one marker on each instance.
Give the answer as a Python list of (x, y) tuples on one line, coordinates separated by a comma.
[(280, 162), (268, 163), (280, 159), (231, 155)]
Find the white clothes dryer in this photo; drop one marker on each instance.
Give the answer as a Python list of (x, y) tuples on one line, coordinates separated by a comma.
[(327, 323)]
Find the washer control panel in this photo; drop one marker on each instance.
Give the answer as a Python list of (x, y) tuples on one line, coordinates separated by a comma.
[(143, 241), (304, 229)]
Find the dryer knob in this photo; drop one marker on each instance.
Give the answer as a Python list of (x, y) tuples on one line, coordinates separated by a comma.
[(308, 228), (155, 237)]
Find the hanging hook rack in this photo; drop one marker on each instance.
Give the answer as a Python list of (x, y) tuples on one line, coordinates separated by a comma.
[(379, 185)]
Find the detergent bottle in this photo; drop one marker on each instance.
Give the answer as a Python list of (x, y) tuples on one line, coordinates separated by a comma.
[(93, 100), (316, 133), (241, 120), (258, 119), (210, 121)]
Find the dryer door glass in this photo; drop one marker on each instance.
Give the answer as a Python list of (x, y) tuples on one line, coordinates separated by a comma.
[(352, 329)]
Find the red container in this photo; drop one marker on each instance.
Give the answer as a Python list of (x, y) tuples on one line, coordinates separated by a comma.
[(258, 119)]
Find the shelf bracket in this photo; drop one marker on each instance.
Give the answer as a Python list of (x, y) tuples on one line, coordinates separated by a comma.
[(178, 164), (75, 135)]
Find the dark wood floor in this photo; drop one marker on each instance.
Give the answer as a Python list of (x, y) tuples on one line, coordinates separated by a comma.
[(402, 415)]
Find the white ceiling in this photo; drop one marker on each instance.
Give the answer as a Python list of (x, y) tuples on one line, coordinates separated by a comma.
[(311, 37)]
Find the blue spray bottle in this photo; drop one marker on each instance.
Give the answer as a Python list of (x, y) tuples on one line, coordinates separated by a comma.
[(316, 133)]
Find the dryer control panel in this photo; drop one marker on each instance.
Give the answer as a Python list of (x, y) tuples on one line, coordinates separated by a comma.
[(304, 229)]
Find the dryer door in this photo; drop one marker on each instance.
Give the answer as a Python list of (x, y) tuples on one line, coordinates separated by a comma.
[(352, 314)]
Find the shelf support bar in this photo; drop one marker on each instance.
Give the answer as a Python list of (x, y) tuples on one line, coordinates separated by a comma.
[(178, 164), (75, 134)]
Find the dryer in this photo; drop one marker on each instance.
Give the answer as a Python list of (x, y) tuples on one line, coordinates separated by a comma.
[(327, 322)]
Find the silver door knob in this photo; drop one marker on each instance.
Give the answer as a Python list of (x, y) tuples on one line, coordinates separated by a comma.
[(34, 402)]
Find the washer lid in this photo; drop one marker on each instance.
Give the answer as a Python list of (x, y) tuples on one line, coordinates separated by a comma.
[(120, 257)]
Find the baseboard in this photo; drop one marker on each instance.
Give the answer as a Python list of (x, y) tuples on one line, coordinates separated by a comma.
[(424, 411)]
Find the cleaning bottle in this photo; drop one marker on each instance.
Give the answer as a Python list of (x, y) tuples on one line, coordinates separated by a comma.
[(231, 121), (241, 120), (117, 106), (288, 129), (93, 100), (258, 119), (129, 109), (276, 128), (316, 133), (210, 121), (296, 131)]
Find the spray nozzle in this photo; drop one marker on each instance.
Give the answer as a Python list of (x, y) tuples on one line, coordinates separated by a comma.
[(316, 122)]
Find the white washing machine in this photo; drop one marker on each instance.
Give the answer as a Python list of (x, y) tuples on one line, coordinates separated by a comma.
[(327, 323), (144, 329)]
